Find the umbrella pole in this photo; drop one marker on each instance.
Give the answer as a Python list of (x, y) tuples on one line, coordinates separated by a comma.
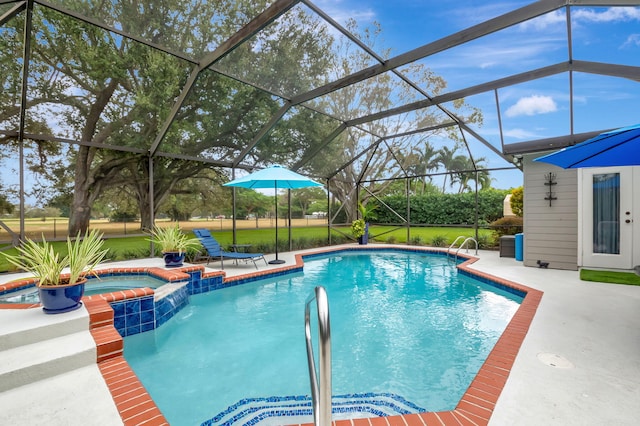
[(276, 261)]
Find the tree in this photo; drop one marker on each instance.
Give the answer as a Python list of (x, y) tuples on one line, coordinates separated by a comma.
[(250, 202), (517, 201), (5, 205), (447, 159), (305, 197), (465, 173), (97, 88), (419, 162), (376, 166)]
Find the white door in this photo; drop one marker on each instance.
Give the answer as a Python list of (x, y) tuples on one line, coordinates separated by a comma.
[(607, 217)]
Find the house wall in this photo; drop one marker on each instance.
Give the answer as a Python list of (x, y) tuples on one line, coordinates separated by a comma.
[(550, 232)]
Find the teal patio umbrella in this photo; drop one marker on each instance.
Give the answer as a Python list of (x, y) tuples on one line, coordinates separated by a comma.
[(276, 177)]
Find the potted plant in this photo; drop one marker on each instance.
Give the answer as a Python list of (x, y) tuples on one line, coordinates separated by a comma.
[(360, 227), (61, 280), (173, 244)]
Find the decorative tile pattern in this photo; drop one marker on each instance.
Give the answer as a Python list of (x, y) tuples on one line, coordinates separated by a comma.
[(133, 316), (171, 303), (253, 410)]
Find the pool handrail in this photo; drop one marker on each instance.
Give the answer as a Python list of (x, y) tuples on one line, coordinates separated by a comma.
[(461, 246), (320, 392), (465, 243), (459, 237)]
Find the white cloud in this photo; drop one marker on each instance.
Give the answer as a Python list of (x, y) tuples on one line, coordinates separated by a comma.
[(552, 19), (520, 134), (341, 12), (613, 14), (632, 41), (557, 18), (532, 105)]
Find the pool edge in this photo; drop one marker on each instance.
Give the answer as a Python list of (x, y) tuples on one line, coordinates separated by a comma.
[(136, 407), (474, 408)]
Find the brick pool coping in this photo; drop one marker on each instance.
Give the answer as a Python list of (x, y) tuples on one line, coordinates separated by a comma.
[(137, 408)]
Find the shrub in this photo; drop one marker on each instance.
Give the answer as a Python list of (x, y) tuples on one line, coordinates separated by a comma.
[(446, 209), (416, 241), (358, 228), (131, 254), (486, 242), (507, 226), (391, 239), (123, 216), (517, 201), (439, 241)]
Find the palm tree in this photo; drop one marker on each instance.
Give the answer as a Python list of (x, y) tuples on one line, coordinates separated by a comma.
[(483, 176), (421, 161), (446, 158), (467, 174), (462, 165)]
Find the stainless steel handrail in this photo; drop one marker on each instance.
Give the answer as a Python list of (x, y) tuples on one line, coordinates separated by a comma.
[(320, 392), (465, 242), (454, 242)]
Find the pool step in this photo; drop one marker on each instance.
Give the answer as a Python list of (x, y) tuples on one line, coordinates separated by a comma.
[(21, 327), (298, 409), (39, 346)]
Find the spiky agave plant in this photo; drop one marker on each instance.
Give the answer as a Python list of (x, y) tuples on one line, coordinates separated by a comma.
[(83, 255), (172, 239)]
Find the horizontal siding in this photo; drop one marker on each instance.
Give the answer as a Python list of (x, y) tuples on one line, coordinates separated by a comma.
[(551, 224), (553, 253), (532, 237), (544, 210), (551, 232), (552, 247)]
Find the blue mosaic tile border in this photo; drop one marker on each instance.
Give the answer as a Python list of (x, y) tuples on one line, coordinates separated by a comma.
[(198, 285), (13, 290), (250, 411), (169, 305), (133, 316), (493, 283), (459, 258), (120, 274), (410, 249)]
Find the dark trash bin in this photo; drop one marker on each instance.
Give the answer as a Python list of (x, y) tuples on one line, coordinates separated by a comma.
[(508, 246)]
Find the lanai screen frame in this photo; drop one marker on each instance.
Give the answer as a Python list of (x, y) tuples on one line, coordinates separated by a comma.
[(278, 8)]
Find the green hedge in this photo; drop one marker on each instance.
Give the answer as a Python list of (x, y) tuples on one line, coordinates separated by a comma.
[(446, 209)]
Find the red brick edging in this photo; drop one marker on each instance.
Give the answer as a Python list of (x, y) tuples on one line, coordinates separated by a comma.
[(476, 405), (474, 409)]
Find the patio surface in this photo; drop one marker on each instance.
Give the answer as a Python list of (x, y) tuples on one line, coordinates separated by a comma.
[(589, 331)]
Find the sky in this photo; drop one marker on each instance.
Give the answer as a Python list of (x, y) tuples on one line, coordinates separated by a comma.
[(528, 111)]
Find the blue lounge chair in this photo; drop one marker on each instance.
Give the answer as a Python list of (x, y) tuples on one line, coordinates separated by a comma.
[(215, 251)]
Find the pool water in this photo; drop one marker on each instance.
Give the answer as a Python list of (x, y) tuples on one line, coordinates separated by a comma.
[(402, 324), (93, 286)]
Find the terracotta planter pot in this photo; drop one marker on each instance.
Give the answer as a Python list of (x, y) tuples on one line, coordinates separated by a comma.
[(61, 298)]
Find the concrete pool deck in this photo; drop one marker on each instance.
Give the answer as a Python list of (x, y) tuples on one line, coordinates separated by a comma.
[(589, 331)]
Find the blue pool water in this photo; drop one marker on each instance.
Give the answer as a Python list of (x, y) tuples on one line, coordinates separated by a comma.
[(406, 325), (93, 286)]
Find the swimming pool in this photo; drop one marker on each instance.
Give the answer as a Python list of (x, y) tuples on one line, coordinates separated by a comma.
[(409, 333), (94, 286)]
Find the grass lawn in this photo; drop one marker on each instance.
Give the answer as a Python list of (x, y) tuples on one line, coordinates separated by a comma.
[(138, 246), (613, 277)]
